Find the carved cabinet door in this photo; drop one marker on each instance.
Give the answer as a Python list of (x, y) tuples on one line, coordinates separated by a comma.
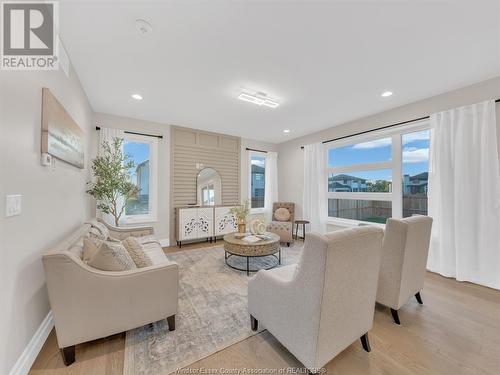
[(188, 224), (205, 222), (224, 221)]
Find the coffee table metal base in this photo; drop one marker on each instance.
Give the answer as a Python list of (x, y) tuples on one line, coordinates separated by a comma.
[(248, 270)]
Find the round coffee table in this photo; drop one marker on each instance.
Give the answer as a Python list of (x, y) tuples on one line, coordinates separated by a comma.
[(265, 248)]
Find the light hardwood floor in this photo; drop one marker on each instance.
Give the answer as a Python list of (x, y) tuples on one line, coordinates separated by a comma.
[(456, 331)]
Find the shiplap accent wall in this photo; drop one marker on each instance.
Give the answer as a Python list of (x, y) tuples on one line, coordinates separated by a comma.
[(218, 151)]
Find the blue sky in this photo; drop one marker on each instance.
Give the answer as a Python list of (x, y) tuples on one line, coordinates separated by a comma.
[(137, 151), (415, 155)]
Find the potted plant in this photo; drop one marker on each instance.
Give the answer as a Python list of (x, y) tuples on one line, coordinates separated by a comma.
[(241, 213), (111, 185)]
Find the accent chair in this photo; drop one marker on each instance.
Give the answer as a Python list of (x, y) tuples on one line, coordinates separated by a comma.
[(321, 305), (404, 259), (282, 222)]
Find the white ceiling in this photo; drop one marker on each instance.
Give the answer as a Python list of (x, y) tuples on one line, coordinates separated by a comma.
[(328, 62)]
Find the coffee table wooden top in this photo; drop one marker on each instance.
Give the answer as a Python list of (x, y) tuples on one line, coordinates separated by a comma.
[(241, 247)]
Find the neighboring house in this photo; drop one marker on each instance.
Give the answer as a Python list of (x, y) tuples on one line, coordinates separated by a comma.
[(142, 173), (415, 184), (346, 183)]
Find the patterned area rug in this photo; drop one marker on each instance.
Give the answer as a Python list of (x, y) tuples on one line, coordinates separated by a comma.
[(212, 313)]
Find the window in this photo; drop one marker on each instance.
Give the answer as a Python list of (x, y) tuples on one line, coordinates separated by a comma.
[(361, 175), (257, 180), (143, 151), (415, 172)]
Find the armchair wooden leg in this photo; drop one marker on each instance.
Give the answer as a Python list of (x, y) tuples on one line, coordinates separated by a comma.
[(68, 354), (288, 244), (171, 323), (395, 316), (254, 323), (419, 298), (366, 343)]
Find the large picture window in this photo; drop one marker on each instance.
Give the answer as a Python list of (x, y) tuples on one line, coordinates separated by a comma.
[(257, 180), (379, 177), (143, 151)]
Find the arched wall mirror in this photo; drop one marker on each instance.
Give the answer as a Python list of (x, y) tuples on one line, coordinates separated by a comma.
[(209, 187)]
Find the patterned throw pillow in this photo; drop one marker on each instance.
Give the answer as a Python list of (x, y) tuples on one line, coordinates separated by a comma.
[(282, 214), (136, 252), (111, 256), (98, 230)]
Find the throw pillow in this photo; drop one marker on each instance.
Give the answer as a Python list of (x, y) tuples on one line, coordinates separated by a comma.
[(282, 214), (136, 252), (111, 256), (90, 247), (99, 230)]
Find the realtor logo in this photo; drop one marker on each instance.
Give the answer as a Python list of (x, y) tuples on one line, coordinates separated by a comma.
[(29, 40)]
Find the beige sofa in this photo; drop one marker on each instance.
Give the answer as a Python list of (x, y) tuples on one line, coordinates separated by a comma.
[(88, 303), (321, 305)]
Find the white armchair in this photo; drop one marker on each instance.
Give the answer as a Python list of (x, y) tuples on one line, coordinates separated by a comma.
[(404, 260), (323, 304)]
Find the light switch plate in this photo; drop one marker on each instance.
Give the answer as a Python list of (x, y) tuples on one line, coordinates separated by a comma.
[(13, 205)]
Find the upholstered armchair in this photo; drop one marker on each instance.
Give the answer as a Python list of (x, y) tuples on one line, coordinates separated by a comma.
[(323, 304), (404, 259), (282, 221)]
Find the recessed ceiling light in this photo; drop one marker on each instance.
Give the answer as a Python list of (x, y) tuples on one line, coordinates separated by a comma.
[(386, 94), (286, 131), (143, 27), (136, 96), (259, 99)]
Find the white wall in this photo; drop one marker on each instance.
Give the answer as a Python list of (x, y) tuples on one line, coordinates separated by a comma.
[(54, 201), (162, 225), (290, 164)]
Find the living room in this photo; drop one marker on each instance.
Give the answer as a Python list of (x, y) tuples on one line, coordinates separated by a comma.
[(208, 187)]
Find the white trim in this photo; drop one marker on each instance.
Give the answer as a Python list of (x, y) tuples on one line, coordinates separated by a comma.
[(361, 167), (28, 356), (164, 242)]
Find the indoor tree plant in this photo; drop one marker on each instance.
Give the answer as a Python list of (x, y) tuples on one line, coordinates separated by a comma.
[(111, 185), (241, 213)]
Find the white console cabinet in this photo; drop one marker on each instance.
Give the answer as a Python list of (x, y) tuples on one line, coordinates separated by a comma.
[(196, 223)]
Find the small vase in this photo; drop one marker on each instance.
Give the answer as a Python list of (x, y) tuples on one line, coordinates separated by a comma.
[(242, 228)]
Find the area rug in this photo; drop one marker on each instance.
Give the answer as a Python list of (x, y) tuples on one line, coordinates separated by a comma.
[(212, 313)]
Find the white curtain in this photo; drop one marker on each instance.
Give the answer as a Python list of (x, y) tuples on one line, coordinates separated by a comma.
[(271, 187), (108, 135), (464, 195), (315, 204)]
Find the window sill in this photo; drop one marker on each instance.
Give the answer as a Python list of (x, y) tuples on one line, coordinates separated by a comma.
[(255, 211), (138, 220), (349, 223)]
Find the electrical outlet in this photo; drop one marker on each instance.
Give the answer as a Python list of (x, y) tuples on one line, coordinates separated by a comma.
[(13, 205)]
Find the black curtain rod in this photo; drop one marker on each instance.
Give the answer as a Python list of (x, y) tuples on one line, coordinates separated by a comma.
[(381, 128), (146, 135), (252, 149)]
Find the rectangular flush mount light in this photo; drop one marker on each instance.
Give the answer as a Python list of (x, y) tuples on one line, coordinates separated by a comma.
[(258, 100)]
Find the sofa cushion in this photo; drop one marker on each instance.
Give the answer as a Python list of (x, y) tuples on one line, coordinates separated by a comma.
[(148, 239), (155, 252), (282, 214), (111, 256), (136, 252)]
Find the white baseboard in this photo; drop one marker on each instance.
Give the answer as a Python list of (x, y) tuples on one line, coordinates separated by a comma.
[(25, 361), (164, 242)]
